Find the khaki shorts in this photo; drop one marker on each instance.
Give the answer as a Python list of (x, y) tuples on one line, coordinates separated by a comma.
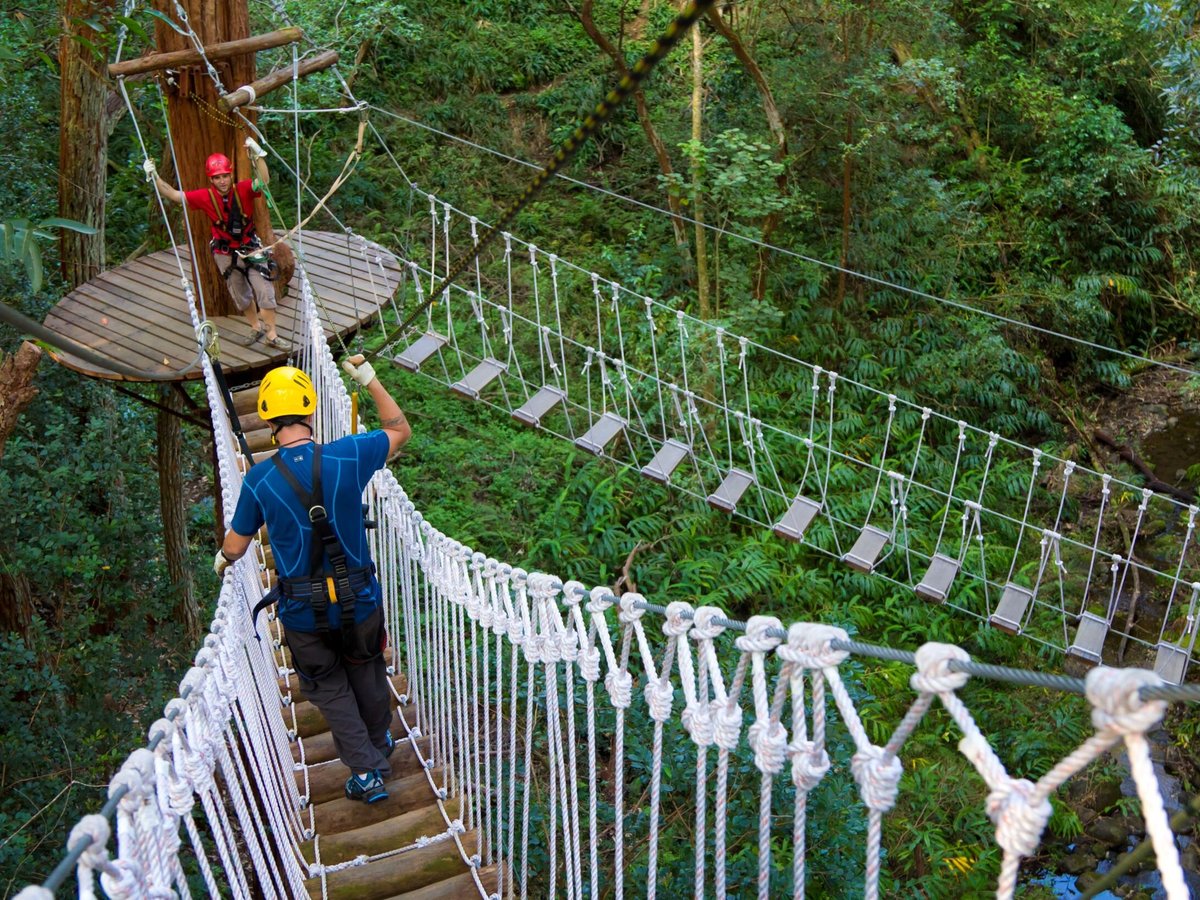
[(246, 288)]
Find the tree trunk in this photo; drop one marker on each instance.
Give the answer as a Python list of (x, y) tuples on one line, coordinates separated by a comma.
[(174, 513), (847, 174), (199, 128), (16, 387), (82, 140), (697, 195), (16, 391), (774, 123), (682, 244)]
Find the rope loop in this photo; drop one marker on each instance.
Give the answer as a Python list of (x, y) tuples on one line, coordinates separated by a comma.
[(810, 763), (678, 619), (1019, 822), (630, 610), (934, 675), (123, 880), (704, 625), (1116, 705), (96, 829), (758, 637), (573, 593), (601, 599), (809, 645), (877, 773)]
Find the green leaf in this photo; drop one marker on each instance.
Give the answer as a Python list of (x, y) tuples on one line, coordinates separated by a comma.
[(33, 265), (69, 224), (165, 18)]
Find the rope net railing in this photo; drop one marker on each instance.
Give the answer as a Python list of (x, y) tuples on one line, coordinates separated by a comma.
[(1037, 545), (576, 736)]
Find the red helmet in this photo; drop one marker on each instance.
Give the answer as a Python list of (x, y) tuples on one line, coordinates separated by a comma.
[(218, 164)]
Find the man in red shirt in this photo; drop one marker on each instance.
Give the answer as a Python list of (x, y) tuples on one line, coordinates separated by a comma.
[(236, 248)]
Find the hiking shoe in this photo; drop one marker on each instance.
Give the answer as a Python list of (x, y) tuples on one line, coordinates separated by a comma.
[(255, 337), (391, 744), (368, 789)]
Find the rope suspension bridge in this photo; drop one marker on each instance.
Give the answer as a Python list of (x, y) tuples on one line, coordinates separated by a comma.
[(542, 721)]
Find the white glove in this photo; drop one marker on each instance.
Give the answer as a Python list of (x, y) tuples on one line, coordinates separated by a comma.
[(150, 169), (256, 151), (221, 563), (359, 369)]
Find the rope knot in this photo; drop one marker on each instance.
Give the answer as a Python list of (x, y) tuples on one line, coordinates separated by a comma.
[(769, 742), (620, 688), (96, 830), (727, 724), (758, 637), (678, 619), (127, 882), (659, 697), (1116, 705), (934, 675), (568, 645), (809, 764), (878, 776), (630, 611), (601, 599), (810, 646), (698, 721), (1019, 822), (573, 592), (704, 624), (589, 664)]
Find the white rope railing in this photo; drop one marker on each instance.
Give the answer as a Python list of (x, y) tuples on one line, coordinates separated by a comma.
[(493, 651)]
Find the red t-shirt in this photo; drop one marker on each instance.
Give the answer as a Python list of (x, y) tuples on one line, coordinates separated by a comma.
[(202, 199)]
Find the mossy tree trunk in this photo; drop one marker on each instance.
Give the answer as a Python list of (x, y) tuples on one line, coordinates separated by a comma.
[(174, 512)]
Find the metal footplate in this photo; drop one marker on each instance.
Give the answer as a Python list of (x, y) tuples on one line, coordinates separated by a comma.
[(1171, 662), (537, 406), (601, 434), (1013, 603), (479, 378), (1089, 638), (420, 350), (935, 584), (666, 461), (797, 519), (727, 495), (865, 552)]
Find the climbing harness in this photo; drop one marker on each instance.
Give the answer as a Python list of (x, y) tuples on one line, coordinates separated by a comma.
[(320, 589)]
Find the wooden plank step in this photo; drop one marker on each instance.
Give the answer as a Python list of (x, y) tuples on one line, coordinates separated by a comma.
[(244, 402), (259, 439), (387, 834), (399, 682), (460, 887), (404, 795), (309, 720), (407, 871), (320, 747), (328, 782)]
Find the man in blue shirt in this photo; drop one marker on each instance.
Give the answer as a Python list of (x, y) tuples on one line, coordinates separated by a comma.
[(310, 498)]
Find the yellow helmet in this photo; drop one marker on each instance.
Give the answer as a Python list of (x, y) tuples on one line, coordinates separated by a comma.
[(286, 391)]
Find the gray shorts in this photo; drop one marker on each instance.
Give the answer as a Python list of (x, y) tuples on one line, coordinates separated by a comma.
[(246, 284)]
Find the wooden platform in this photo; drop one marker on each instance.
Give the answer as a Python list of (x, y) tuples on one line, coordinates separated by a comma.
[(137, 314)]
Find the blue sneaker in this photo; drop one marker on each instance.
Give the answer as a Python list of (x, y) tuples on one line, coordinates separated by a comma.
[(368, 789), (391, 744)]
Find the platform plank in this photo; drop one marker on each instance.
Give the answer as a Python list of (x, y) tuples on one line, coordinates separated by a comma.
[(137, 314)]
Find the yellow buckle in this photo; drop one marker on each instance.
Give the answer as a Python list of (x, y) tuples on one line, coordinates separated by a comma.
[(333, 598)]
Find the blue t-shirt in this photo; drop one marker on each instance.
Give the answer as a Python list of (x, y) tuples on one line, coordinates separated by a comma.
[(347, 465)]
